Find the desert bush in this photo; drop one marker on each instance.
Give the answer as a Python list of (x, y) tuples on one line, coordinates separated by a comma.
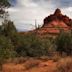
[(6, 50), (64, 43), (34, 46)]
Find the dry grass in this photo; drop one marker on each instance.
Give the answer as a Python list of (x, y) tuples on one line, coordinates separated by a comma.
[(19, 60), (42, 64), (31, 64), (64, 65)]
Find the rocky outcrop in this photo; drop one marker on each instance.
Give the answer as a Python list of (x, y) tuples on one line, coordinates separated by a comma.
[(57, 16), (55, 22)]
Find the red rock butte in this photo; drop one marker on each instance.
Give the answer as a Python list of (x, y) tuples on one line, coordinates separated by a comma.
[(53, 23)]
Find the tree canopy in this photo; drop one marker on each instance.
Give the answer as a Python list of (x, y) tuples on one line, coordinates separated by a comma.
[(5, 3)]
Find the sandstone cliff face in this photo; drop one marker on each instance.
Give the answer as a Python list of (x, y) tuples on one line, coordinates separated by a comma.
[(57, 16), (55, 22)]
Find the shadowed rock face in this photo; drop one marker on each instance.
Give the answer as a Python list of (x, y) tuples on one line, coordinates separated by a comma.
[(57, 16), (58, 12)]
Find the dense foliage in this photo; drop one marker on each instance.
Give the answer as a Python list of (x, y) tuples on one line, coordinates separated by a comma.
[(4, 3), (64, 42), (34, 46), (30, 44)]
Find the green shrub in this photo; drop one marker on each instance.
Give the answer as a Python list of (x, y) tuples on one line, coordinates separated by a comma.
[(34, 46), (6, 48), (64, 43)]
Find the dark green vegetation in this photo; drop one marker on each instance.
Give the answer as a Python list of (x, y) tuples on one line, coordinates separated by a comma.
[(64, 43), (31, 45), (4, 3), (13, 44)]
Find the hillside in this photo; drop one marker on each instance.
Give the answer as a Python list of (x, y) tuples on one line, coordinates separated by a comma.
[(54, 23)]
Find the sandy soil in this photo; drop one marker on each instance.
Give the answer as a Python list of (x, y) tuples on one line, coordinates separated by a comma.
[(31, 66)]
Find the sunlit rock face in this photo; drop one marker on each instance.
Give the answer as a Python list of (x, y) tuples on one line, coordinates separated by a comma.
[(55, 22)]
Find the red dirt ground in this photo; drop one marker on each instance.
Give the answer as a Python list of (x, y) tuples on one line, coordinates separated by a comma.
[(31, 66)]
